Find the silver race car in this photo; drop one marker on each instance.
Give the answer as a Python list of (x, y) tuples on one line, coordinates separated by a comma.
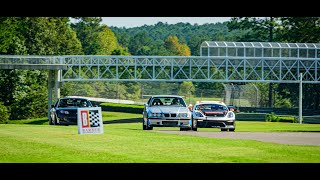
[(166, 111)]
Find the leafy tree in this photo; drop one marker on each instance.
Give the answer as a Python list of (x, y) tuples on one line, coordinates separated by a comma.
[(257, 29), (121, 51), (184, 31), (24, 92), (79, 89), (50, 36), (263, 88), (186, 88), (300, 29), (107, 42), (195, 43), (88, 32), (11, 38), (140, 44), (133, 91), (174, 47), (123, 39), (4, 114)]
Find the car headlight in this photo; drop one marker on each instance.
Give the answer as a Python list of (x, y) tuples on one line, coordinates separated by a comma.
[(150, 114), (64, 112), (230, 115), (156, 114), (183, 115), (199, 114)]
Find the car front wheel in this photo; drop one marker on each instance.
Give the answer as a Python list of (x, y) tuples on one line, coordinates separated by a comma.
[(55, 120), (194, 126), (52, 120), (144, 127)]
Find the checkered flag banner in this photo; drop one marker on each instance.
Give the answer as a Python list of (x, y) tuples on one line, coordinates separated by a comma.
[(90, 120), (94, 118)]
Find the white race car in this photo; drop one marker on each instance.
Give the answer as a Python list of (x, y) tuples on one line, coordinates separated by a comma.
[(212, 114)]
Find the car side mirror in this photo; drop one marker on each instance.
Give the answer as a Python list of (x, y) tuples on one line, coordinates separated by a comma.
[(146, 105)]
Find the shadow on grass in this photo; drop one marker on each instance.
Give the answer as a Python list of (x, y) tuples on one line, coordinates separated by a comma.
[(133, 120), (118, 121), (39, 122)]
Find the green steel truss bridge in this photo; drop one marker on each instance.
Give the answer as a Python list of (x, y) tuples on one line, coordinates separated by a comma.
[(172, 68), (177, 68)]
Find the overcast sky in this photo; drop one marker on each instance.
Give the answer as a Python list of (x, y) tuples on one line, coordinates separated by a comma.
[(129, 22)]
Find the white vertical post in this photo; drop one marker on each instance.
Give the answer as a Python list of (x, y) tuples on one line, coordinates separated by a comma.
[(57, 79), (300, 100), (50, 79)]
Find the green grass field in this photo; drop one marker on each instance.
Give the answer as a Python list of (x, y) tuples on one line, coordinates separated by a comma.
[(124, 141)]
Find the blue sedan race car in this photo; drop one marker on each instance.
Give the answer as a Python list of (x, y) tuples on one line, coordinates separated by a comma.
[(64, 111)]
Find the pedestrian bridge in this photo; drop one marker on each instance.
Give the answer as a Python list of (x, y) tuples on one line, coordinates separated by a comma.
[(172, 68)]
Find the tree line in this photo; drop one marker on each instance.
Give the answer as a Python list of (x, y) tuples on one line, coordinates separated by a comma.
[(23, 93)]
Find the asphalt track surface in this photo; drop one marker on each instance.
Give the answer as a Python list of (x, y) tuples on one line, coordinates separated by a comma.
[(294, 138)]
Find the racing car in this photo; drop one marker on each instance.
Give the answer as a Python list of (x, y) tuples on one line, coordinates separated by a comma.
[(212, 114)]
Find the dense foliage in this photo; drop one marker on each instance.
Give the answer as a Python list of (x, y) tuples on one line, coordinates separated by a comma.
[(24, 92)]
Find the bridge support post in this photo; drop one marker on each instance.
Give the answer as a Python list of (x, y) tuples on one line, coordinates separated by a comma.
[(50, 87), (53, 84), (57, 85)]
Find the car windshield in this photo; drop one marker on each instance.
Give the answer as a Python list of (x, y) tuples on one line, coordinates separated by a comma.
[(167, 101), (211, 107), (74, 103)]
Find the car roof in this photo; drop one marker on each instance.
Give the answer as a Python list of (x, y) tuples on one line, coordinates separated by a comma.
[(210, 102), (74, 98), (153, 96)]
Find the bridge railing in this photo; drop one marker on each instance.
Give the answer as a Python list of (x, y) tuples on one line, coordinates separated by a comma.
[(35, 60), (191, 68)]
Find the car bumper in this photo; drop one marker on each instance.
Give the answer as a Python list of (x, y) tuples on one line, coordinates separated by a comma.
[(199, 123), (68, 120), (169, 122)]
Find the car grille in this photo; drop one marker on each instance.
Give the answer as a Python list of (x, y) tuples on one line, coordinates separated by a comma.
[(170, 115), (72, 114), (215, 115), (170, 123)]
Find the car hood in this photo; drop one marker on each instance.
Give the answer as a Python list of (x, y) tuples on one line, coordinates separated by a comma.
[(67, 108), (215, 112), (168, 109)]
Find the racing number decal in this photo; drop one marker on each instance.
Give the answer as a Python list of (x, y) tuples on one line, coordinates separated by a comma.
[(85, 118)]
